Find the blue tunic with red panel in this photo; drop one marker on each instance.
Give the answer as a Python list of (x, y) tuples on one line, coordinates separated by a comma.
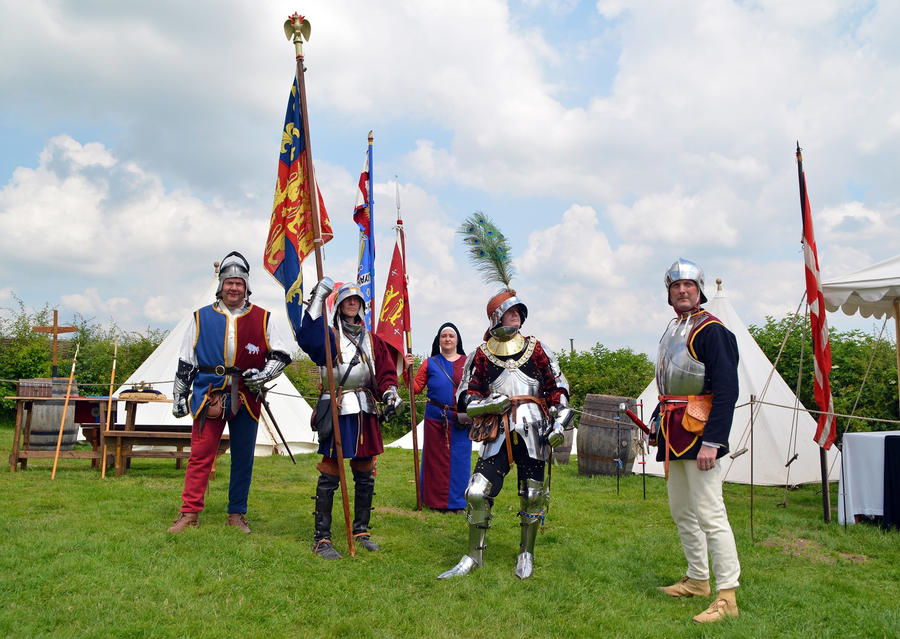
[(447, 450), (251, 348), (716, 347)]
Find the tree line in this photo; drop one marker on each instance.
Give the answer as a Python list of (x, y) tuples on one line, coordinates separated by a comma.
[(25, 354)]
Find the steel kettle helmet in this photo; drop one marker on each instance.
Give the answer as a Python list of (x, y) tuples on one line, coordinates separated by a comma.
[(683, 269)]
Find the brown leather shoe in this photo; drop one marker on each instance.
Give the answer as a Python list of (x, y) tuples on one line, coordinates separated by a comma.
[(724, 606), (183, 522), (237, 520), (687, 587)]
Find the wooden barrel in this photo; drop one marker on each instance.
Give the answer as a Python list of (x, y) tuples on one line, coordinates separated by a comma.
[(45, 416), (562, 452), (605, 436)]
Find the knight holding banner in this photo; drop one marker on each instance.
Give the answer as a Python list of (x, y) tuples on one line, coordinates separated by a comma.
[(364, 373), (517, 396)]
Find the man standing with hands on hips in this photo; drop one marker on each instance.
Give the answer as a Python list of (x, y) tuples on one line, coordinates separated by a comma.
[(696, 373)]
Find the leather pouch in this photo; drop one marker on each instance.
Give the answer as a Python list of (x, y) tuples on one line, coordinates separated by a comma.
[(320, 420), (215, 406), (484, 428), (696, 413)]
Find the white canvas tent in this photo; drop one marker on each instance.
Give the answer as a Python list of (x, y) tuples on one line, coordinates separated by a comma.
[(872, 291), (291, 411), (775, 439)]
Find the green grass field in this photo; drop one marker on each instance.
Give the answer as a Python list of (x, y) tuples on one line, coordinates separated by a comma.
[(89, 557)]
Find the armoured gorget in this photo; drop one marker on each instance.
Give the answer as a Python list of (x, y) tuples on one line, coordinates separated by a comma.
[(677, 371)]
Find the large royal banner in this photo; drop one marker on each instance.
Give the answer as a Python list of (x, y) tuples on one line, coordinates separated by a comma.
[(291, 227)]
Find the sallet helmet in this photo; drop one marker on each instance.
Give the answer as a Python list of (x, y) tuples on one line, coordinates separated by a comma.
[(683, 269), (236, 266), (501, 302), (346, 291)]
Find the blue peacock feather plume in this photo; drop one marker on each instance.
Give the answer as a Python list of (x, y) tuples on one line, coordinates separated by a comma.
[(489, 249)]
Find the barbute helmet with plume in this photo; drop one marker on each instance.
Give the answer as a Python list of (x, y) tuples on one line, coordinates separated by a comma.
[(489, 252)]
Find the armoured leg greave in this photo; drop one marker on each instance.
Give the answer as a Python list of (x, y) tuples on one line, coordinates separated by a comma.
[(532, 500), (324, 500), (478, 513)]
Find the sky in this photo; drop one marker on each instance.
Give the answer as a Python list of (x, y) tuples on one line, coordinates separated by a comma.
[(606, 139)]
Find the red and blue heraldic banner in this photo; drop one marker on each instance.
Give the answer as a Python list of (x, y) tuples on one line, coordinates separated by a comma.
[(291, 228)]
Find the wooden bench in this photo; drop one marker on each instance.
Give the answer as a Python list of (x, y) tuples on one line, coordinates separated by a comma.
[(122, 442)]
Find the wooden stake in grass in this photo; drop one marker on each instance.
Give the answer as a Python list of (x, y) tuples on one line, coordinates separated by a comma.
[(62, 420), (112, 379)]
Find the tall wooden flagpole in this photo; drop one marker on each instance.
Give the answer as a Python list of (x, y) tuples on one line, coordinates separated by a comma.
[(408, 330), (297, 28)]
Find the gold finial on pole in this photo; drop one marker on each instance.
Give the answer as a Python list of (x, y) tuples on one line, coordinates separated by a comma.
[(297, 28)]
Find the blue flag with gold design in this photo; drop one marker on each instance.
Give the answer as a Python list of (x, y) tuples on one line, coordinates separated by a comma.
[(291, 227)]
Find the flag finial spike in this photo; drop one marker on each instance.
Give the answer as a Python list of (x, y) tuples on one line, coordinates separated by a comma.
[(297, 29)]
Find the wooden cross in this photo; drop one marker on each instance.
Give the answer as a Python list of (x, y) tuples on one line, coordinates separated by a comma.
[(55, 330)]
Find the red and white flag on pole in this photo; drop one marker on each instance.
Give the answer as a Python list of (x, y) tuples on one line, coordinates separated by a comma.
[(827, 429)]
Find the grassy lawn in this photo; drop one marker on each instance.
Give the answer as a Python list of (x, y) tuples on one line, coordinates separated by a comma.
[(87, 557)]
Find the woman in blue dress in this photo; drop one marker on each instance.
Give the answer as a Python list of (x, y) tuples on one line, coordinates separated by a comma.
[(447, 449)]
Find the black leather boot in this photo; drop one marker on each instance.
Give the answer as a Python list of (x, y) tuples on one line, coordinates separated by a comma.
[(322, 516), (362, 509)]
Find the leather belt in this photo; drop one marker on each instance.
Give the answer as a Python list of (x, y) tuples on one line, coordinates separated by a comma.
[(221, 371), (235, 373)]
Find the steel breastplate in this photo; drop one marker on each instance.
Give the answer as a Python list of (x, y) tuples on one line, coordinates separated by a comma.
[(677, 371), (526, 420), (354, 399)]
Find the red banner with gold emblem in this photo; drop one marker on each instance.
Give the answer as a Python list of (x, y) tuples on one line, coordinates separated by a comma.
[(393, 319)]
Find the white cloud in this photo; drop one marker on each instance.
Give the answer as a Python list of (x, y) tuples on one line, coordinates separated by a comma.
[(676, 140)]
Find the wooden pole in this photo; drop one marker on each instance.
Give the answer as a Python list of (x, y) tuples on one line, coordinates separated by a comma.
[(62, 421), (412, 394), (897, 341), (296, 27), (112, 379), (752, 402)]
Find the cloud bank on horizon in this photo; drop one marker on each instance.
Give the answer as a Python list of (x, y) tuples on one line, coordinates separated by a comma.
[(605, 138)]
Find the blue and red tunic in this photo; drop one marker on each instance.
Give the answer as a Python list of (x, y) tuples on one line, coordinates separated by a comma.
[(447, 450), (251, 347)]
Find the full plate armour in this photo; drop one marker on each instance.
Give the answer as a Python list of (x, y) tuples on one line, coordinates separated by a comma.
[(677, 371), (357, 395)]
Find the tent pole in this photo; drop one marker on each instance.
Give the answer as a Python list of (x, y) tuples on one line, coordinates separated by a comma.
[(897, 342)]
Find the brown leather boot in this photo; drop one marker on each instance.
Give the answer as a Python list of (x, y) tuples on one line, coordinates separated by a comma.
[(687, 587), (724, 605), (183, 522), (237, 520)]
